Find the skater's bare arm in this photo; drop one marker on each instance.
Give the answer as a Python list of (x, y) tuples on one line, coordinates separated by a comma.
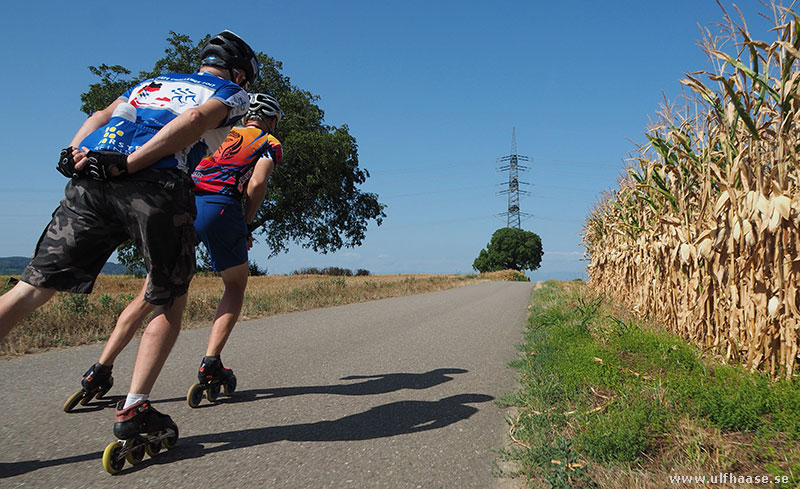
[(181, 132), (257, 187), (91, 124), (94, 122)]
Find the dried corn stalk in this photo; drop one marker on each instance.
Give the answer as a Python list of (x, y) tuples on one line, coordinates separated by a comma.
[(703, 232)]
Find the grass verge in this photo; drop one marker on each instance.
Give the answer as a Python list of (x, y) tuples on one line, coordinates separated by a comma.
[(607, 402), (74, 319)]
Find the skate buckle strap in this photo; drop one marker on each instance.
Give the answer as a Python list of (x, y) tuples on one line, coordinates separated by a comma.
[(131, 411)]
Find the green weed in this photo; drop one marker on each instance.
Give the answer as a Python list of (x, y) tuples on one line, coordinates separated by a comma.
[(601, 389), (77, 304)]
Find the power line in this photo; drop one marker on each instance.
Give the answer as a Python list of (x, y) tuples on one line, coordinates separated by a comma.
[(442, 222), (436, 167)]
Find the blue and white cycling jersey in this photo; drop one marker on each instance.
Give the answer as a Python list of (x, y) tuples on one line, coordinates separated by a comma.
[(158, 101)]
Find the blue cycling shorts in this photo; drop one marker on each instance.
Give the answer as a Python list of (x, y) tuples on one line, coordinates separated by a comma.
[(220, 225)]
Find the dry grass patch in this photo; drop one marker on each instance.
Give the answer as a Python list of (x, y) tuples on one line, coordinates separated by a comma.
[(73, 319)]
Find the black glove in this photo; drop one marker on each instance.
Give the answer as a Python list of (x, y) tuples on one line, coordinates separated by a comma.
[(66, 165), (101, 164)]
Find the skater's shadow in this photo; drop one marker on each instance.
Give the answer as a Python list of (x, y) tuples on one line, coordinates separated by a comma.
[(371, 385), (12, 469), (397, 418), (97, 404)]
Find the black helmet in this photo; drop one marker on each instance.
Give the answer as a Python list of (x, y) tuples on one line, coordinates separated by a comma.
[(263, 106), (227, 50)]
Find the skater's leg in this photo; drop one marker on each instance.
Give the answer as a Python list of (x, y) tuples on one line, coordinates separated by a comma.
[(128, 322), (18, 302), (157, 341), (229, 307)]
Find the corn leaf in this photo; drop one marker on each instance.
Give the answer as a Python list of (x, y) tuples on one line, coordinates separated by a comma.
[(755, 76), (737, 103)]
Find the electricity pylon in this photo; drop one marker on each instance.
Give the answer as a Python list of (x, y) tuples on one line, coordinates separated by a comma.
[(513, 168)]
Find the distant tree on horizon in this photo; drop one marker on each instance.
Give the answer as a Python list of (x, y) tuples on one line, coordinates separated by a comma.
[(510, 249)]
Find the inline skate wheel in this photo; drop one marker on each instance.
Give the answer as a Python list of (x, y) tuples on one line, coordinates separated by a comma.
[(172, 440), (212, 392), (230, 386), (73, 401), (153, 448), (112, 462), (88, 396), (195, 395), (136, 454)]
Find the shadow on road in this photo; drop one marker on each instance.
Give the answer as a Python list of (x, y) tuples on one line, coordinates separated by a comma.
[(17, 468), (377, 384), (372, 385), (397, 418), (97, 404), (392, 419)]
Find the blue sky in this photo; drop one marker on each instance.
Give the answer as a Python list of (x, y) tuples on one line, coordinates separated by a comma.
[(431, 91)]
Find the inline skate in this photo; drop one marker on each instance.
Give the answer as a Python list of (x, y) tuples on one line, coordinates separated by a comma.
[(96, 383), (140, 429), (213, 377)]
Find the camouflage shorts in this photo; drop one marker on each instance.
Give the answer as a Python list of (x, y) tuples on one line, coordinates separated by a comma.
[(154, 207)]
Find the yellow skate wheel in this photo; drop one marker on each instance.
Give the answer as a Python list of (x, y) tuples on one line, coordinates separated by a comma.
[(112, 462), (195, 395), (88, 396), (172, 440), (136, 454), (153, 448), (73, 401)]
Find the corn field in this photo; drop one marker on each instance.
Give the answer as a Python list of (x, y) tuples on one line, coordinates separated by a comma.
[(703, 232)]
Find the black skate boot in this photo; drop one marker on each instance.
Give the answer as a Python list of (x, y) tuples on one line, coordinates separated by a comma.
[(140, 418), (140, 429), (212, 377), (96, 383)]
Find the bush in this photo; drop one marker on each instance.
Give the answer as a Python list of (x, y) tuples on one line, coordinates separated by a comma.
[(337, 272), (307, 271), (255, 271), (331, 271)]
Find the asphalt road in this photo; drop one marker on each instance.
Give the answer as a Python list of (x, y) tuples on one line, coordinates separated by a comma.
[(392, 393)]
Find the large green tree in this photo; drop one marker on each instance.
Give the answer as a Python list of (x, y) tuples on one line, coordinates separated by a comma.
[(510, 249), (313, 197)]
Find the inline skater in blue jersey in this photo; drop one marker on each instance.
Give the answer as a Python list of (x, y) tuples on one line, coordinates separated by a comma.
[(240, 167), (129, 167)]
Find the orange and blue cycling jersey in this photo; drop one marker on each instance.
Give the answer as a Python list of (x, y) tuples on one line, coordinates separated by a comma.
[(228, 170)]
